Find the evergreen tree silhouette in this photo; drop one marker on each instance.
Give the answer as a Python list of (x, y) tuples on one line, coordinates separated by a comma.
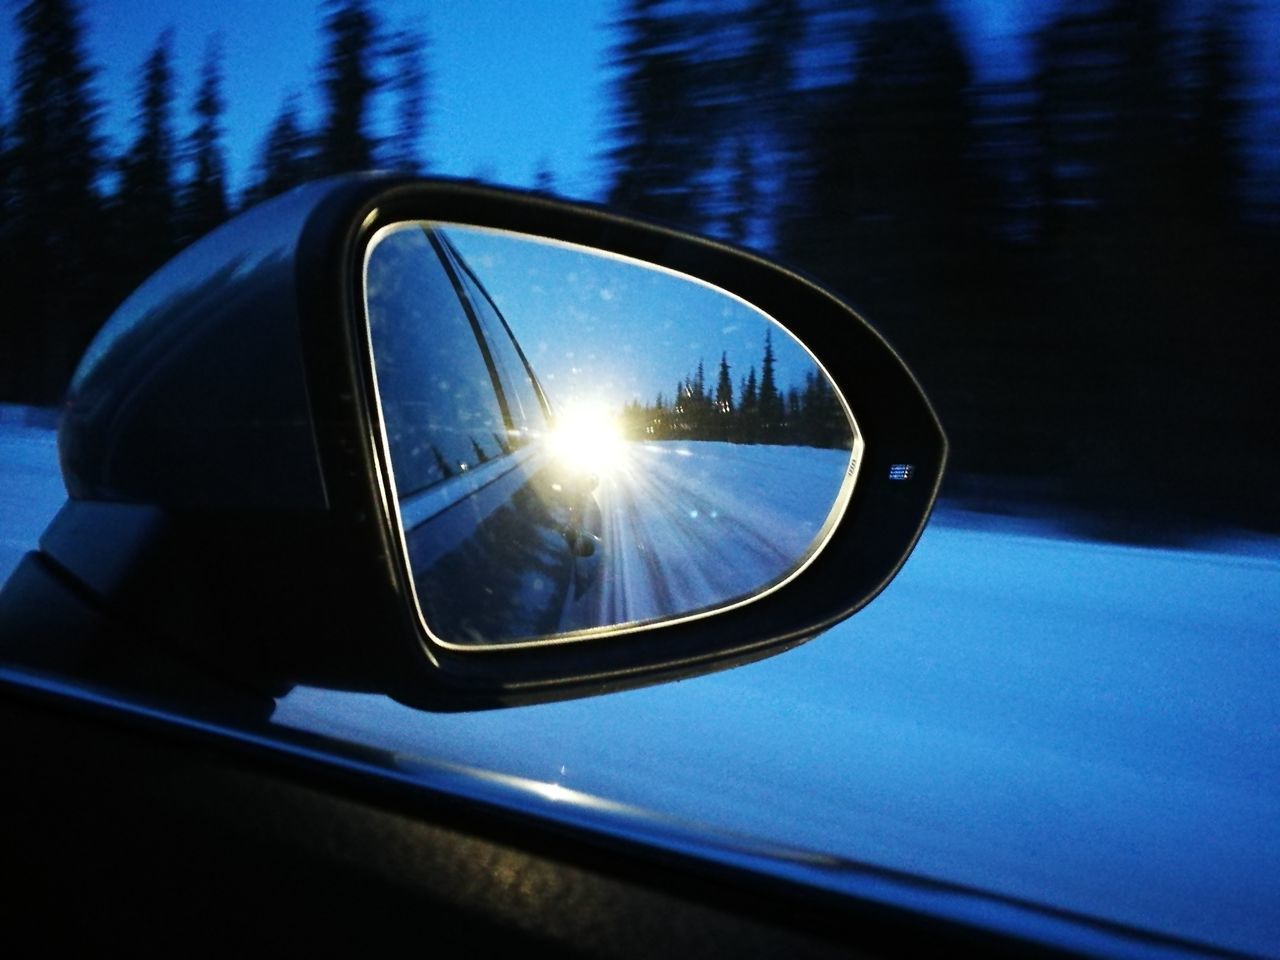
[(348, 82), (752, 93), (810, 416), (724, 388), (744, 192), (285, 160), (702, 105), (897, 210), (698, 404), (443, 466), (750, 394), (891, 179), (749, 409), (53, 214), (1214, 169), (659, 145), (205, 196), (410, 81), (145, 205), (769, 405), (1113, 149)]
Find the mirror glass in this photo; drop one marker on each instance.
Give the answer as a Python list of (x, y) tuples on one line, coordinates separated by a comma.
[(583, 443)]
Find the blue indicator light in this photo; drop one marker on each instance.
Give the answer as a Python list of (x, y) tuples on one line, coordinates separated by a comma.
[(902, 471)]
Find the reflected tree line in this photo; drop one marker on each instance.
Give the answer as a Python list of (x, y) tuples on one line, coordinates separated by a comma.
[(1078, 264), (758, 411)]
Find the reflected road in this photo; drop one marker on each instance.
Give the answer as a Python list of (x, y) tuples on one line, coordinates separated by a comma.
[(691, 525)]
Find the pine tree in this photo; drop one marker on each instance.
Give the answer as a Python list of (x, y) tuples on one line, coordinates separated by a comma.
[(55, 151), (145, 206), (348, 83), (753, 92), (724, 388), (285, 159), (1215, 168), (410, 81), (1111, 153), (749, 409), (1107, 121), (54, 213), (661, 147), (897, 209), (744, 195), (794, 412), (700, 404), (680, 408), (750, 396), (893, 203), (822, 423), (701, 104), (442, 465), (205, 198), (769, 404)]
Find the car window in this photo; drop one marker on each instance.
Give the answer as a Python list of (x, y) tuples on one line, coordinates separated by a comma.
[(527, 409), (439, 404)]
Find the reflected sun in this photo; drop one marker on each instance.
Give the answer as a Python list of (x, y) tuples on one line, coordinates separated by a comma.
[(588, 437)]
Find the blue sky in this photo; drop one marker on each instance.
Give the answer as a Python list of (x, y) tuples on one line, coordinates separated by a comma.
[(607, 330), (517, 83)]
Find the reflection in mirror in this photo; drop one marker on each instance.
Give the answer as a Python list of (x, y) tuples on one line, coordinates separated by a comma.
[(582, 442)]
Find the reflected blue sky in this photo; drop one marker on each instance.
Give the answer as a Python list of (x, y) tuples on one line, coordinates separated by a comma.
[(600, 328)]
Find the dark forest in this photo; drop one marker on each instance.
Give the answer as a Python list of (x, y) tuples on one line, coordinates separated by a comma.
[(1081, 268)]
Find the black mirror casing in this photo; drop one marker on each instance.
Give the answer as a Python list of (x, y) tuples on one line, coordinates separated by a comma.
[(229, 482)]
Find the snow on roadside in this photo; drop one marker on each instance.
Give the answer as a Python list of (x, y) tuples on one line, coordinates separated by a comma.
[(31, 489)]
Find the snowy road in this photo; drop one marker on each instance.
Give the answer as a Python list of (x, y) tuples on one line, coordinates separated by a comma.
[(687, 526)]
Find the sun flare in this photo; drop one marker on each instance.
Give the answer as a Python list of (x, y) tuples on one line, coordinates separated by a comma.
[(588, 437)]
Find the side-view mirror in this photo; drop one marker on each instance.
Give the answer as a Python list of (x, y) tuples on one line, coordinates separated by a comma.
[(472, 447)]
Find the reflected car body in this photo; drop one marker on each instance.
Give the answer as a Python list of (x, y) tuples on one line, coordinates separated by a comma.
[(491, 520)]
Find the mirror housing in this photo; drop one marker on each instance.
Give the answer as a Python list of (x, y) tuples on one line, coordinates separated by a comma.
[(230, 491)]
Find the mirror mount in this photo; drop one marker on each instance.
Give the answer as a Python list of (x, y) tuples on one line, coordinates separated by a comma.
[(231, 495)]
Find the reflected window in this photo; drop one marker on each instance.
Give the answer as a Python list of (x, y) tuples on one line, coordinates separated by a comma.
[(441, 411), (525, 406)]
